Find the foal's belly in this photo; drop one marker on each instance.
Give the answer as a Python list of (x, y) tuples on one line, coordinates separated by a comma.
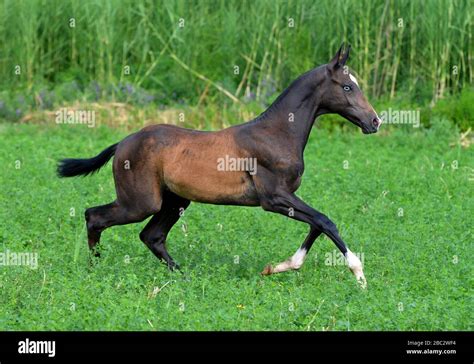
[(209, 169), (214, 189)]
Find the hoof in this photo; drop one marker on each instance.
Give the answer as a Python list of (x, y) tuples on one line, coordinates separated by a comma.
[(94, 253), (94, 258), (174, 267), (267, 270), (361, 281)]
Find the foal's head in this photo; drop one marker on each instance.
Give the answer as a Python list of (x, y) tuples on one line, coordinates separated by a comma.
[(343, 96)]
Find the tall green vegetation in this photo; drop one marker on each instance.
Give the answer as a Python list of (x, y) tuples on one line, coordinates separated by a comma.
[(195, 51)]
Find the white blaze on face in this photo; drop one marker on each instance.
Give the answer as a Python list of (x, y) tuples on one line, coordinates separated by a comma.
[(353, 79)]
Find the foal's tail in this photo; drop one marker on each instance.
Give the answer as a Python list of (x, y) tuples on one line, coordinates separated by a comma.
[(82, 167)]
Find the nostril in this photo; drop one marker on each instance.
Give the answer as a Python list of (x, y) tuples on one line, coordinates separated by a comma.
[(376, 122)]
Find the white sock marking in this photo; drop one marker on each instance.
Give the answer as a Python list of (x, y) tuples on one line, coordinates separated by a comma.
[(352, 260), (295, 262), (298, 258), (355, 266)]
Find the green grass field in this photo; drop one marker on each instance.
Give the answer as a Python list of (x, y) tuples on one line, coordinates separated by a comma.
[(405, 202)]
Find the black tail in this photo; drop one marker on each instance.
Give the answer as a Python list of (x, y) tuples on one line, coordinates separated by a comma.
[(83, 167)]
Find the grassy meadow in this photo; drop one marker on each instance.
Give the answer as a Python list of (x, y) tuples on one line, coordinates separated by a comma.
[(402, 198)]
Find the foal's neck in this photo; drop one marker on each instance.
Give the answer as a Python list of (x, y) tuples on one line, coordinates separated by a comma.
[(293, 113)]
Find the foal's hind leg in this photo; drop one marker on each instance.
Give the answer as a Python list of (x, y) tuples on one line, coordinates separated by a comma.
[(101, 217), (155, 232)]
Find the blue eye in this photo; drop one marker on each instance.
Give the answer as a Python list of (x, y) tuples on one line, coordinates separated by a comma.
[(347, 88)]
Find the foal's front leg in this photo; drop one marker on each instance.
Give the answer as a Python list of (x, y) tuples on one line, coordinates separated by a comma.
[(290, 205), (296, 261)]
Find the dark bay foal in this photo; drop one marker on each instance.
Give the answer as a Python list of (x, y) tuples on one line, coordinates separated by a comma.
[(159, 170)]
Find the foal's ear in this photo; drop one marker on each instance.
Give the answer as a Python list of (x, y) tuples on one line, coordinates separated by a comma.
[(340, 58)]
